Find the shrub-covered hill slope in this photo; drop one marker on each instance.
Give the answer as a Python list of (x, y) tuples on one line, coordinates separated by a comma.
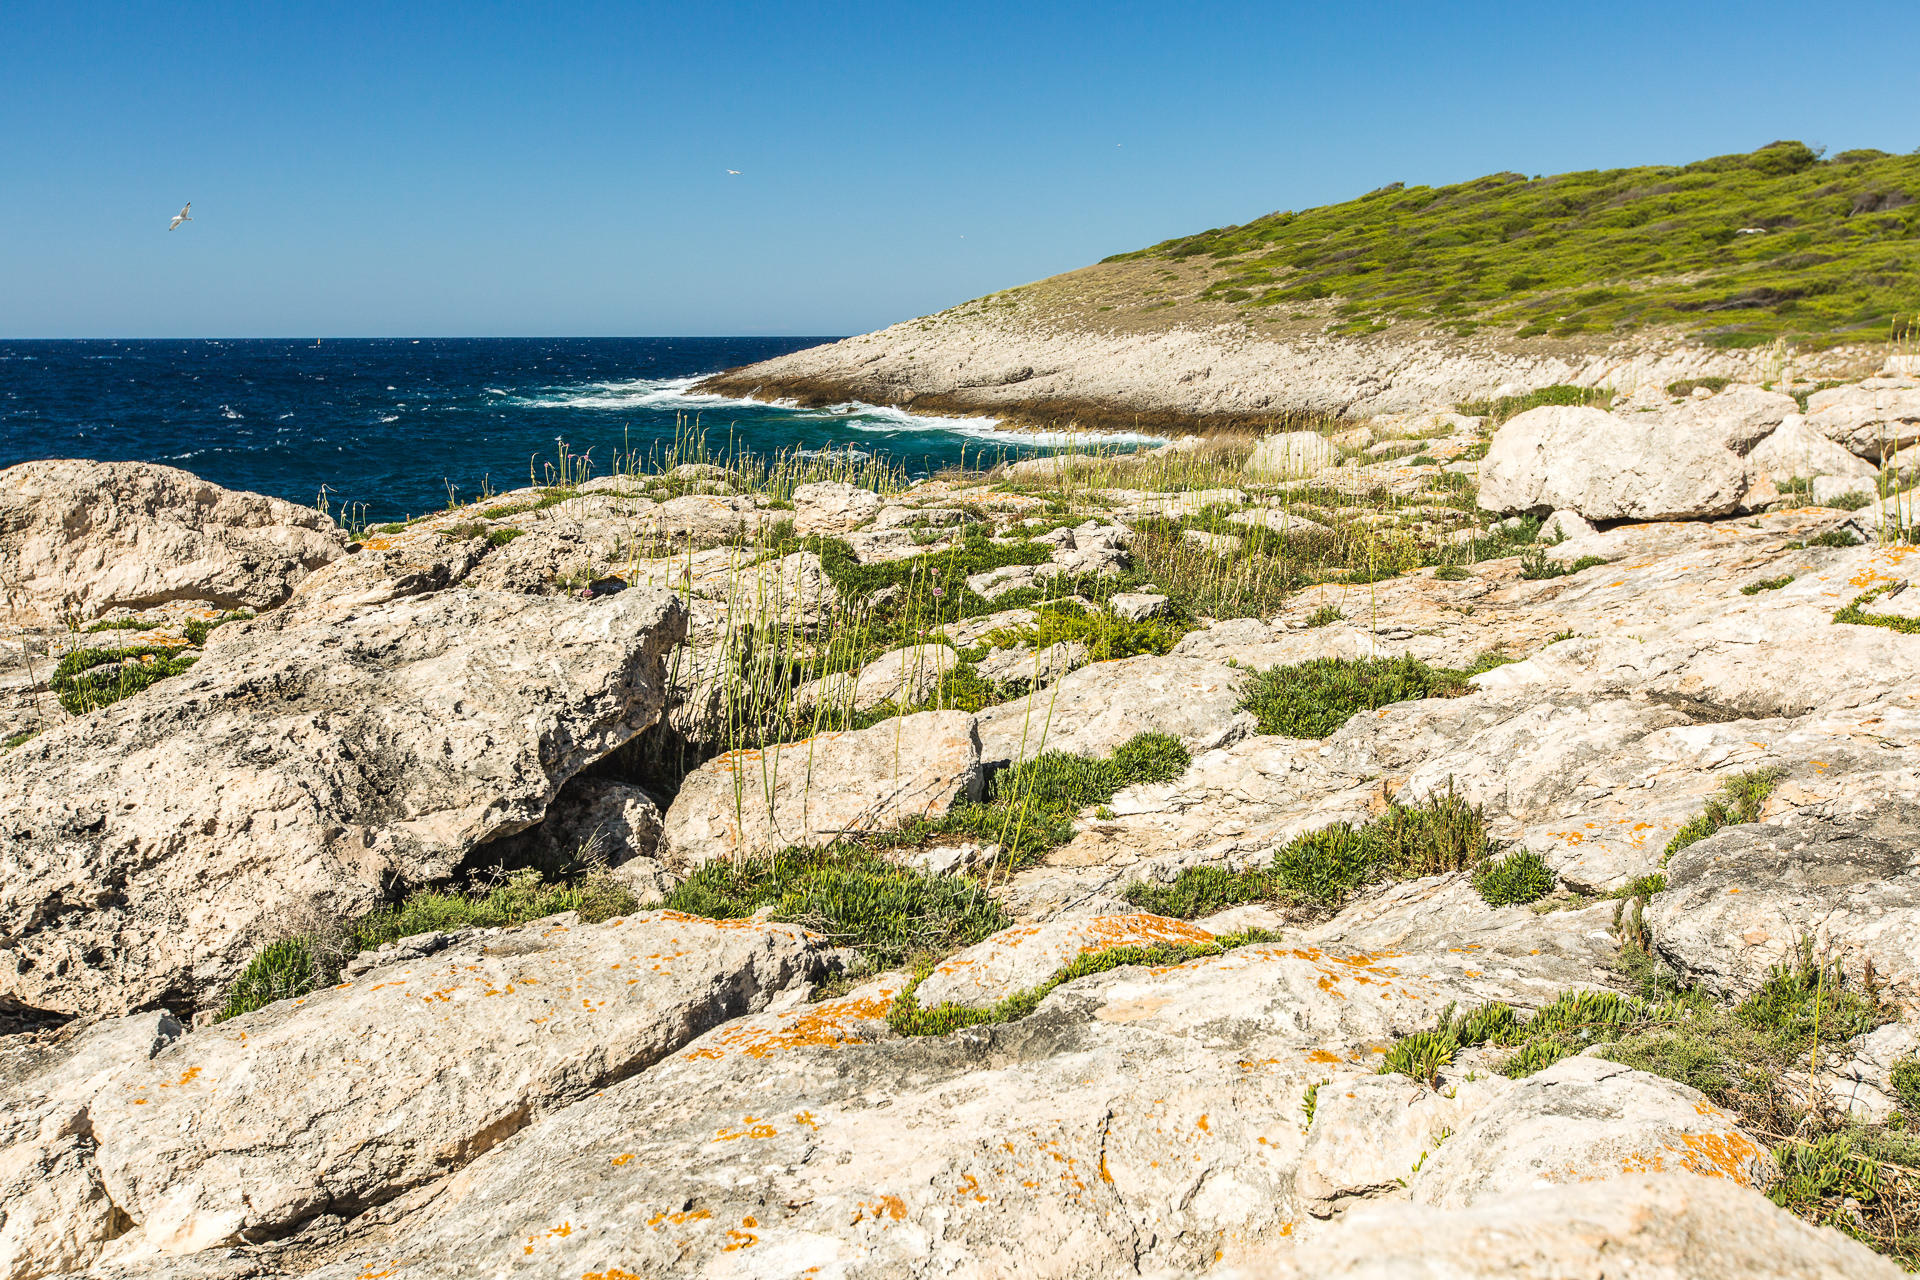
[(1407, 299), (1738, 250)]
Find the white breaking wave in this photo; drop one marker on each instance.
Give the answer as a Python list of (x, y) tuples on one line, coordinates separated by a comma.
[(673, 394)]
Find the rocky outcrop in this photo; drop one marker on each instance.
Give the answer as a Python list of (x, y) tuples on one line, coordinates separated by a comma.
[(1874, 418), (294, 773), (78, 538), (1610, 468), (829, 786)]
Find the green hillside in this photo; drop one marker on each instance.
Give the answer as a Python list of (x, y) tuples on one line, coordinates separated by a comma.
[(1737, 250)]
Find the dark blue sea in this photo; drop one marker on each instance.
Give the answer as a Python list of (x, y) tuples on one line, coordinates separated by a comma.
[(394, 422)]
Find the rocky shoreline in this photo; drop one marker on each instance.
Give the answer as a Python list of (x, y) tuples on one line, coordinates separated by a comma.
[(1439, 844)]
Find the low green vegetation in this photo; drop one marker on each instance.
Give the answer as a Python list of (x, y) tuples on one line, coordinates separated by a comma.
[(1736, 249), (1739, 801), (1499, 410), (1855, 613), (1439, 834), (302, 964), (907, 1018), (1766, 584), (81, 686), (1535, 566), (852, 894), (1312, 699), (1687, 386), (1520, 877), (19, 739)]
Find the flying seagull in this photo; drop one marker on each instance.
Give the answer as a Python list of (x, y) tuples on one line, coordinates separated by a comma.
[(733, 171), (181, 216)]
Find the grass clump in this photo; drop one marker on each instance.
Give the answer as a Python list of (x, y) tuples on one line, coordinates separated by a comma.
[(1849, 501), (907, 1018), (19, 739), (1534, 566), (1766, 584), (81, 687), (1325, 616), (1439, 834), (282, 970), (1520, 877), (852, 894), (1687, 386), (1452, 573), (1855, 613), (1739, 801), (1312, 699), (1511, 406)]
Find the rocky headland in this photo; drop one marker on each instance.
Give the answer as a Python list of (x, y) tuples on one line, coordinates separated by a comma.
[(1438, 844)]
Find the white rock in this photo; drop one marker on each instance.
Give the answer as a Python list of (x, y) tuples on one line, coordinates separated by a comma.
[(1566, 525), (1024, 956), (1609, 468), (1795, 450), (816, 791), (1137, 606), (1867, 420), (1098, 707), (80, 537), (828, 506), (1371, 1132)]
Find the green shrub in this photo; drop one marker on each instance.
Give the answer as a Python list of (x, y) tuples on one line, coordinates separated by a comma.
[(1452, 573), (1420, 1056), (281, 970), (1766, 584), (1151, 757), (1850, 501), (1740, 800), (1906, 1083), (1535, 566), (1834, 538), (1804, 998), (1854, 613), (1325, 616), (1519, 877), (1201, 891), (516, 898), (1325, 866), (1312, 699), (80, 690), (851, 894), (1641, 887)]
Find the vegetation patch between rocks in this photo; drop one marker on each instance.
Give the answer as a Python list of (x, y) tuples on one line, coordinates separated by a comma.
[(1855, 613), (1312, 699), (81, 687), (907, 1018), (1739, 801)]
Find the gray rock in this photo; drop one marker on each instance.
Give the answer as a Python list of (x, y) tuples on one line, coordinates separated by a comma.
[(1137, 606), (831, 507), (1740, 901), (814, 792), (345, 1098), (1610, 468), (1739, 416), (1019, 667), (1651, 1227), (1584, 1119), (591, 820), (80, 537), (1096, 708), (1795, 450), (1566, 525), (292, 774), (906, 677), (1872, 419)]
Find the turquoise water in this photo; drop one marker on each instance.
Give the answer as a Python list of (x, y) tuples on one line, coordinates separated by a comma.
[(395, 423)]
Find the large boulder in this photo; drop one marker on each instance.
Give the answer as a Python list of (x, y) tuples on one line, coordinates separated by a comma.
[(1611, 468), (78, 538), (293, 775), (1095, 709), (1739, 417), (829, 786), (1645, 1226)]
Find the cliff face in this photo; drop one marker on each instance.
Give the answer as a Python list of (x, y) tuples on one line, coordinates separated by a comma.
[(1414, 299)]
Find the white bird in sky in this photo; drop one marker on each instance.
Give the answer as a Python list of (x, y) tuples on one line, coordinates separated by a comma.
[(733, 171), (181, 216)]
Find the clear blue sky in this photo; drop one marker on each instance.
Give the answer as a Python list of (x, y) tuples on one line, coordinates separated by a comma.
[(507, 168)]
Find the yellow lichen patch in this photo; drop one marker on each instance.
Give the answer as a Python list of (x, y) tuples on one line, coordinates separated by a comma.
[(832, 1022), (614, 1273), (371, 1274), (1322, 1055), (622, 1159), (186, 1078), (664, 1219), (751, 1127), (1719, 1155)]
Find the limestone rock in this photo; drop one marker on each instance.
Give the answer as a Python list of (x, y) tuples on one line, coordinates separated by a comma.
[(1019, 667), (1369, 1133), (1024, 956), (1279, 520), (1740, 416), (1872, 419), (1098, 707), (346, 1098), (1292, 453), (813, 792), (905, 676), (1580, 1120), (1647, 1226), (1740, 901), (1137, 606), (1566, 525), (1796, 450), (831, 507), (1610, 468), (292, 774), (590, 820), (80, 537)]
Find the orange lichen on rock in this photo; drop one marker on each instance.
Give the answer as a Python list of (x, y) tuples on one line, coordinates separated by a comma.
[(832, 1022)]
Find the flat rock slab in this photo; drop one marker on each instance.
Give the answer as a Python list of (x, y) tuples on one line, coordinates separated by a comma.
[(1098, 707), (1140, 1119), (148, 848), (1585, 1120), (349, 1096), (1026, 955), (1651, 1227), (1370, 1133), (814, 792), (80, 537)]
